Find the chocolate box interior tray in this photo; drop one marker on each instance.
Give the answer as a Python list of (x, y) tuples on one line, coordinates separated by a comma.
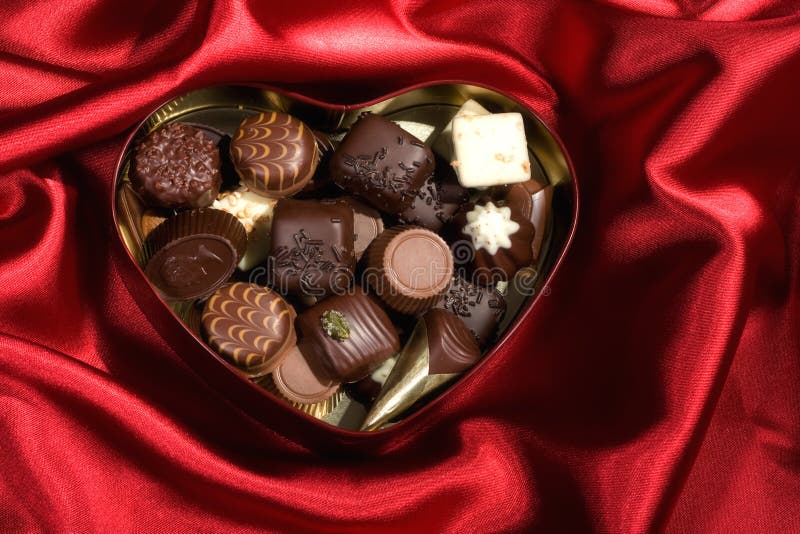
[(424, 112)]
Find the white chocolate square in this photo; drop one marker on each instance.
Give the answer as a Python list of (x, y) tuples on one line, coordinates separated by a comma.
[(444, 142), (419, 130), (490, 150)]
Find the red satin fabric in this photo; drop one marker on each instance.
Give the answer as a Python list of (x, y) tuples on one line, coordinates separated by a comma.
[(656, 387)]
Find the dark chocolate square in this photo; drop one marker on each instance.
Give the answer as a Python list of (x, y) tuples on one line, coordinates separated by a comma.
[(381, 163), (311, 249)]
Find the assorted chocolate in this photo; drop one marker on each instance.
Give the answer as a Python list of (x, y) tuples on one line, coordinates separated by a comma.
[(377, 283)]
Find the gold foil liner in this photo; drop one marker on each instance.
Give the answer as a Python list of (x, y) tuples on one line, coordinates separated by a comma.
[(318, 409), (408, 382)]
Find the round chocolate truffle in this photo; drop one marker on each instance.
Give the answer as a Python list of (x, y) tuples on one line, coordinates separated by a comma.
[(302, 380), (177, 166), (192, 253), (414, 267), (250, 326), (274, 154)]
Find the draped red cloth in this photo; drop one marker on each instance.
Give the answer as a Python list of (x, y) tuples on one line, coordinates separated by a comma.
[(656, 387)]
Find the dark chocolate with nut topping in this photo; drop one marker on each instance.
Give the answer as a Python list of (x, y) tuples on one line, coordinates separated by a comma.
[(370, 340), (381, 163), (311, 249)]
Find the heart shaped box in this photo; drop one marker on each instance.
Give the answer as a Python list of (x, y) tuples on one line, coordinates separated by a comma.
[(223, 107)]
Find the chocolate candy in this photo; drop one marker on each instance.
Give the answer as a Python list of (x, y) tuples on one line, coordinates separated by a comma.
[(436, 202), (191, 254), (311, 250), (320, 183), (368, 388), (177, 166), (274, 153), (411, 267), (367, 222), (499, 241), (451, 348), (255, 213), (250, 326), (439, 349), (302, 380), (349, 335), (490, 150), (381, 163), (480, 308), (443, 145)]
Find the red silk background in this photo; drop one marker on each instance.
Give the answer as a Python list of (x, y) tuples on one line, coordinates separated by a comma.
[(657, 386)]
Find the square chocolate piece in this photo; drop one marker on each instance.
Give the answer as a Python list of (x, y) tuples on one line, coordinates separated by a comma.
[(349, 335), (381, 163), (311, 250)]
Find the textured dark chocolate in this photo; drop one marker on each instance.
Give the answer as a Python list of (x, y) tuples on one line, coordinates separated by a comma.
[(311, 249), (486, 268), (437, 201), (381, 163), (372, 337), (480, 308), (451, 348), (251, 326), (177, 166), (192, 253), (274, 153)]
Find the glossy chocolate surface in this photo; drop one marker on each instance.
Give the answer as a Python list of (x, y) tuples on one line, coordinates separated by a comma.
[(274, 153), (488, 269), (194, 252), (372, 337), (437, 201), (368, 224), (302, 379), (480, 308), (251, 326), (381, 163), (451, 348), (177, 166), (311, 251)]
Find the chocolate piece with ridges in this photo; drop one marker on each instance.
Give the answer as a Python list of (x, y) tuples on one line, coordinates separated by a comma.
[(451, 347), (413, 267), (274, 153), (381, 163), (436, 202), (372, 337), (311, 249), (499, 241), (480, 308), (192, 253), (177, 166), (250, 326)]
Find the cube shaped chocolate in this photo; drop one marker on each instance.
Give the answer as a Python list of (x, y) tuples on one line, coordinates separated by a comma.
[(349, 335), (311, 249), (381, 163)]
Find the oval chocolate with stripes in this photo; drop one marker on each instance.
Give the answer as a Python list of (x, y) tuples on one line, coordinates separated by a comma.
[(274, 154), (250, 326)]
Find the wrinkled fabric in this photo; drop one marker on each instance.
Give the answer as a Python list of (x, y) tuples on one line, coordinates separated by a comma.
[(655, 387)]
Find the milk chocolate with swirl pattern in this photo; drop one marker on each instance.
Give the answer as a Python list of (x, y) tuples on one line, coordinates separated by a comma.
[(311, 249), (250, 326), (361, 339), (381, 163), (274, 154)]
